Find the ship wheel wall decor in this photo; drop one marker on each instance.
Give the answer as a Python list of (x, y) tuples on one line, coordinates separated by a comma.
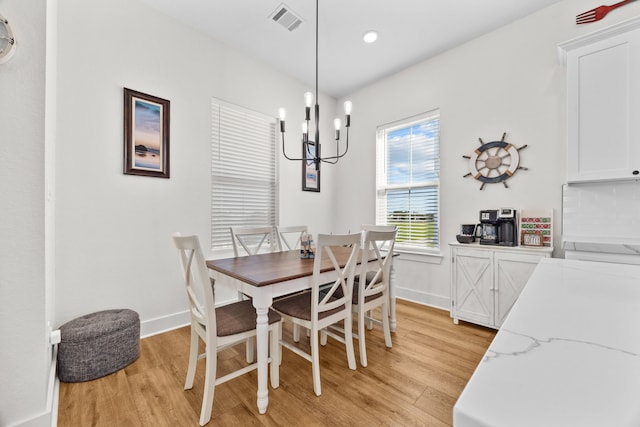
[(7, 41), (494, 162)]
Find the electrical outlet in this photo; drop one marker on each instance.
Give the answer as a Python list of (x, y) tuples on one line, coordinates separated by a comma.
[(54, 336)]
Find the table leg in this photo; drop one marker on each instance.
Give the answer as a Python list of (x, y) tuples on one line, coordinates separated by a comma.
[(262, 342), (392, 299)]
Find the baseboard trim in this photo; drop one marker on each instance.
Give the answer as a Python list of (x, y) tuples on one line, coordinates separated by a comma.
[(162, 324), (431, 300), (48, 418)]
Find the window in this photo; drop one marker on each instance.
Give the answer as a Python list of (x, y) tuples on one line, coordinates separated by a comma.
[(244, 178), (408, 180)]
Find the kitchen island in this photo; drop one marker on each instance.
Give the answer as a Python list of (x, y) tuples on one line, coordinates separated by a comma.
[(568, 353)]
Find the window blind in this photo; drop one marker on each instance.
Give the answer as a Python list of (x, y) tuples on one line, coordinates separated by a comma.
[(244, 177), (408, 180)]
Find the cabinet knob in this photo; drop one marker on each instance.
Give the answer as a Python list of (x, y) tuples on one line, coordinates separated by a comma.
[(635, 172)]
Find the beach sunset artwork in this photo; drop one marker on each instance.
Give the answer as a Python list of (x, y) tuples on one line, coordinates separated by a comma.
[(310, 176), (147, 135)]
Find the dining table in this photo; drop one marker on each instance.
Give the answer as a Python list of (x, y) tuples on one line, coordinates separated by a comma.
[(266, 276)]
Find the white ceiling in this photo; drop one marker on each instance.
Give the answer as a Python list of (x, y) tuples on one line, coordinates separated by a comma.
[(410, 31)]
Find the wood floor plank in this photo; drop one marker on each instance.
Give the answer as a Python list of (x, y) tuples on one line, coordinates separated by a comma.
[(95, 402), (159, 398), (414, 383)]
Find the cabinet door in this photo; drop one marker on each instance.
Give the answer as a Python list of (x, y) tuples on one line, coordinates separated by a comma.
[(473, 286), (603, 93), (512, 273)]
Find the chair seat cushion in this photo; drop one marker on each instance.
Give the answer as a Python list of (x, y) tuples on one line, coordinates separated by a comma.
[(369, 277), (239, 317), (299, 306), (366, 299), (98, 344), (354, 299)]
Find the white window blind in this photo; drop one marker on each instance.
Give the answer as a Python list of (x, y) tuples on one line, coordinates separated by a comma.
[(408, 180), (244, 177)]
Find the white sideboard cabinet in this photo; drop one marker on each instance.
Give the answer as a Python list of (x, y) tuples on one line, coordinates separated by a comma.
[(603, 103), (487, 280)]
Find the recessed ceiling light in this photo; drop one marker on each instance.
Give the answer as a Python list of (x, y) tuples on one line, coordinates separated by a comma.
[(370, 36)]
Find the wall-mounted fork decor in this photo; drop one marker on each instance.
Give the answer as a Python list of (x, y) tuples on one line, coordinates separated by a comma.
[(598, 13)]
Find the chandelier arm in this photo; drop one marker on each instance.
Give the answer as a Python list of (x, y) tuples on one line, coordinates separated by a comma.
[(285, 154), (338, 155), (330, 162)]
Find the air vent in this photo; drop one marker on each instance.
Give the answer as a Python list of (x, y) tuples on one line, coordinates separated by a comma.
[(284, 16)]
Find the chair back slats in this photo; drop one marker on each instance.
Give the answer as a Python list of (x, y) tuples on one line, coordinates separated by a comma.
[(378, 245), (333, 299), (252, 239), (289, 237), (373, 227), (196, 280)]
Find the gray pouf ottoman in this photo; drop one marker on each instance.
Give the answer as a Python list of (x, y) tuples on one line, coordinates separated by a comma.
[(98, 344)]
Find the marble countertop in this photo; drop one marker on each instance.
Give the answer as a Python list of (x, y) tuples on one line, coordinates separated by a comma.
[(568, 354)]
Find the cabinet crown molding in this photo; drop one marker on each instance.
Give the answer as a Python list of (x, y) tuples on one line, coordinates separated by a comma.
[(594, 36)]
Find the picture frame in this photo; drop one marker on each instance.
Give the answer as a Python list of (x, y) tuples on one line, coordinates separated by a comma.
[(146, 134), (531, 238), (310, 175)]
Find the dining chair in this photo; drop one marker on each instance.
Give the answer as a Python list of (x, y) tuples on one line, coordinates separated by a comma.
[(375, 227), (371, 286), (218, 327), (316, 311), (249, 240), (289, 237)]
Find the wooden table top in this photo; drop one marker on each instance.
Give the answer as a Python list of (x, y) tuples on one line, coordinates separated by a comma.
[(274, 267)]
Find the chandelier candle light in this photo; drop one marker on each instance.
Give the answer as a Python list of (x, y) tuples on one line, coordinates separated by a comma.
[(312, 148)]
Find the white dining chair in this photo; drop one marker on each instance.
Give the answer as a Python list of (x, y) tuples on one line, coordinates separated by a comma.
[(289, 237), (375, 227), (218, 327), (252, 240), (316, 311), (371, 286)]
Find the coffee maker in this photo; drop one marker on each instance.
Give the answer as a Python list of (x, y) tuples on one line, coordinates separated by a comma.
[(488, 227), (498, 227), (507, 227)]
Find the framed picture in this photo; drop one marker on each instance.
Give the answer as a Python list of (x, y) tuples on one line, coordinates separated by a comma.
[(310, 175), (531, 238), (146, 135)]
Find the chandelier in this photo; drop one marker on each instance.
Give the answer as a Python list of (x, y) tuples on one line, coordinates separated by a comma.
[(311, 148)]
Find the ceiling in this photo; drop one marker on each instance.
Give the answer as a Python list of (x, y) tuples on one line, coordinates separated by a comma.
[(410, 31)]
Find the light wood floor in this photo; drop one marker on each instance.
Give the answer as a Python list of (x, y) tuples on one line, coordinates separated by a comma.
[(415, 383)]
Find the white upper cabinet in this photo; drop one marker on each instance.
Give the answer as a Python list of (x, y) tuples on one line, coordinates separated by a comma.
[(603, 104)]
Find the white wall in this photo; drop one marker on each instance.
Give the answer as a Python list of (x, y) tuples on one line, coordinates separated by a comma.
[(24, 354), (113, 246), (510, 81), (112, 231)]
